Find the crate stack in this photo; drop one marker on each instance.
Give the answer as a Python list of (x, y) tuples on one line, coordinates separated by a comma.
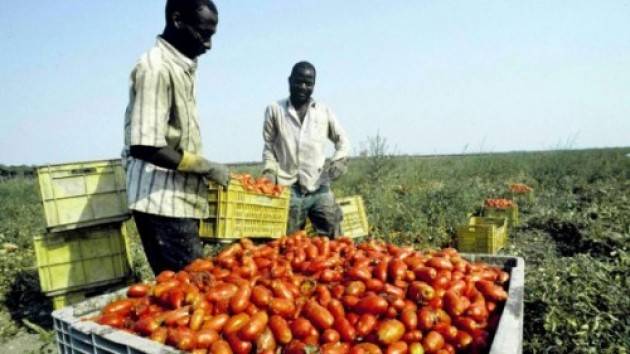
[(83, 250), (488, 232)]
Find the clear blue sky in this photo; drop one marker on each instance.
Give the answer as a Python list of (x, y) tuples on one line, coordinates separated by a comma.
[(430, 76)]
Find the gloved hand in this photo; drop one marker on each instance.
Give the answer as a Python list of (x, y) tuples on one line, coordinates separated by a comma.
[(219, 173), (193, 163), (270, 176), (337, 169)]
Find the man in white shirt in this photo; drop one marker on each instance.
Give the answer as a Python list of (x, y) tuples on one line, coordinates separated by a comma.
[(295, 132)]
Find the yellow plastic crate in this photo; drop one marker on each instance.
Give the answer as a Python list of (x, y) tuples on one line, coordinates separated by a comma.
[(511, 214), (64, 300), (82, 194), (79, 259), (482, 235), (236, 213), (355, 222)]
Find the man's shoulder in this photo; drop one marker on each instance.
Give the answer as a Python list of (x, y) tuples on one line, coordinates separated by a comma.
[(152, 61), (278, 105)]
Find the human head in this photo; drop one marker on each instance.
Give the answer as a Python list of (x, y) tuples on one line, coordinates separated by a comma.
[(190, 25), (302, 82)]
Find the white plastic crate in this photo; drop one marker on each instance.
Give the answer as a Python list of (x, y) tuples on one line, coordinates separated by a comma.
[(508, 338), (75, 335)]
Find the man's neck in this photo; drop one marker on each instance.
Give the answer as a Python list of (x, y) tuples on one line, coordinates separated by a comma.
[(300, 108), (169, 36)]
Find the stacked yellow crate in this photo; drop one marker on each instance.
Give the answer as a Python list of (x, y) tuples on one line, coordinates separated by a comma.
[(482, 235), (84, 248)]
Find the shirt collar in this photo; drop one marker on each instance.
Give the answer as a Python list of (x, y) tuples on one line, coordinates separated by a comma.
[(174, 55), (311, 103)]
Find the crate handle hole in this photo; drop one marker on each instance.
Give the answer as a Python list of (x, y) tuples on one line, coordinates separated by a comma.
[(79, 171)]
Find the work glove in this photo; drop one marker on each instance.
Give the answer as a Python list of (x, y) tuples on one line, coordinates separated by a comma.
[(193, 163), (337, 169), (270, 176)]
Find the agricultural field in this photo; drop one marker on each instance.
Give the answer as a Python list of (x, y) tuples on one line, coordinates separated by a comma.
[(574, 236)]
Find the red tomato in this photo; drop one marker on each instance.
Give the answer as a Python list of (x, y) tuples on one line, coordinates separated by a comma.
[(365, 348), (455, 304), (409, 318), (216, 322), (282, 307), (266, 343), (318, 314), (119, 307), (235, 323), (390, 331), (330, 336), (138, 290), (301, 328), (375, 305), (113, 320), (433, 342), (255, 326), (261, 296), (397, 348), (335, 348), (416, 348), (205, 338), (280, 329), (347, 332), (365, 324)]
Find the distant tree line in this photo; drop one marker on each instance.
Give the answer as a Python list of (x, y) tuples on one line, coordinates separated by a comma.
[(9, 172)]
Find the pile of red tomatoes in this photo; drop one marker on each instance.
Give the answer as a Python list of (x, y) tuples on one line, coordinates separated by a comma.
[(499, 203), (299, 295)]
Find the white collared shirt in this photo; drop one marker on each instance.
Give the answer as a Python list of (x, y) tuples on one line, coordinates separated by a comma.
[(295, 151), (162, 111)]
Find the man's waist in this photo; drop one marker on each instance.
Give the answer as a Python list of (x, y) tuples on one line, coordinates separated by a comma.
[(302, 191)]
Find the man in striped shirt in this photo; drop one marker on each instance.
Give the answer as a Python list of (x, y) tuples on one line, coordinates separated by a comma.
[(166, 175), (295, 132)]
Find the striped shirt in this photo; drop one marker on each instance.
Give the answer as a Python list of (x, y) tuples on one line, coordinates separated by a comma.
[(162, 111), (295, 151)]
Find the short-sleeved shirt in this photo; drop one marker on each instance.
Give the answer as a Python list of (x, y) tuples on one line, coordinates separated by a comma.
[(295, 150), (162, 111)]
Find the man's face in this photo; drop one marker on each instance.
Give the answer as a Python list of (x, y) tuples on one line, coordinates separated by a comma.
[(197, 31), (301, 84)]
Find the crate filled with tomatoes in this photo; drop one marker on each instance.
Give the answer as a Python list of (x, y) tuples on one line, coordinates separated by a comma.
[(502, 208), (305, 295), (248, 207), (521, 191)]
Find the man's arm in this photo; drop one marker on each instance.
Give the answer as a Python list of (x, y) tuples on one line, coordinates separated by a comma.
[(270, 163), (338, 136), (150, 112), (166, 157)]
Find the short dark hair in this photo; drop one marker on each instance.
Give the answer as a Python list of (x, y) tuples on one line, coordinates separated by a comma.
[(303, 64), (187, 7)]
